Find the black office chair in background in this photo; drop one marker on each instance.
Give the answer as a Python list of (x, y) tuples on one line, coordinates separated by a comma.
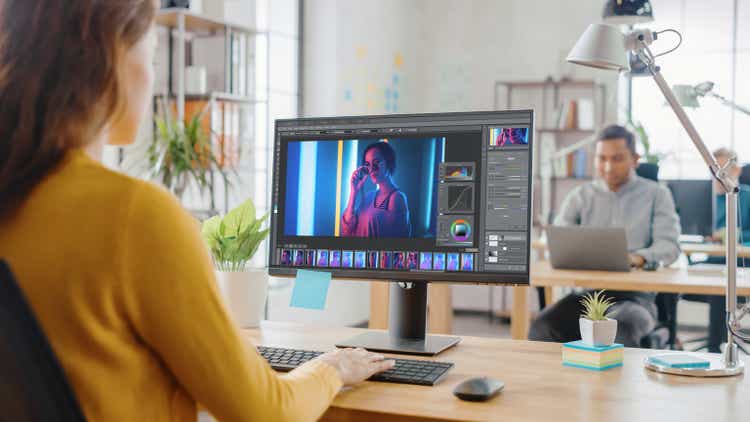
[(33, 386), (648, 171)]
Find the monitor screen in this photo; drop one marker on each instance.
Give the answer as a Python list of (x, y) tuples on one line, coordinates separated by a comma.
[(439, 197)]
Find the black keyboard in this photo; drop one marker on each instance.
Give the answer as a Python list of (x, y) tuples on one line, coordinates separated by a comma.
[(406, 371)]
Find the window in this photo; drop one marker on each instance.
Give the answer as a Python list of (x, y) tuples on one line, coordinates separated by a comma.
[(716, 48)]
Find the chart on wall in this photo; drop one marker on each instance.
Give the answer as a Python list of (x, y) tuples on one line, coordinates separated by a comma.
[(374, 83)]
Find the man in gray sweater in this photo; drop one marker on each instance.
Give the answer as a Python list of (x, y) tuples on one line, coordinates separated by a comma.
[(619, 198)]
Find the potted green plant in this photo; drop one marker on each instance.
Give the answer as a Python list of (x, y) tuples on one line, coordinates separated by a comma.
[(648, 156), (597, 329), (181, 153), (233, 240)]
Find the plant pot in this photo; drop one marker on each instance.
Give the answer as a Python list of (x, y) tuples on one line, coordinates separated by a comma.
[(598, 333), (244, 292)]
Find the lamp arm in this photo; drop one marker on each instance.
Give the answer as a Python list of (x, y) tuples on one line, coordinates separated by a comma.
[(731, 354), (729, 103), (717, 171)]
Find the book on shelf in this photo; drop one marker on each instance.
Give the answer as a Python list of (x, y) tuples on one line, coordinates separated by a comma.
[(571, 117), (585, 114)]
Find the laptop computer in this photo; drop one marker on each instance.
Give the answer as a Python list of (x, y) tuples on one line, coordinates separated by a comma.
[(588, 248)]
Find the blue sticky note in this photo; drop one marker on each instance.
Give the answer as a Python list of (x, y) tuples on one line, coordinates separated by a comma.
[(310, 289)]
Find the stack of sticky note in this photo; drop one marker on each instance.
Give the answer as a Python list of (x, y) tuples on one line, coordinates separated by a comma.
[(598, 358), (680, 360)]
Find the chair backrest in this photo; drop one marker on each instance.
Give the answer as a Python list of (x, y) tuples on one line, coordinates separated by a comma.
[(744, 178), (33, 386), (648, 171)]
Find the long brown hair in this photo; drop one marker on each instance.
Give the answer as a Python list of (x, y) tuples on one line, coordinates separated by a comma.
[(59, 64)]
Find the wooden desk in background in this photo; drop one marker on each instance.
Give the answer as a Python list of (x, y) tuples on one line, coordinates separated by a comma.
[(665, 280), (708, 281), (537, 386)]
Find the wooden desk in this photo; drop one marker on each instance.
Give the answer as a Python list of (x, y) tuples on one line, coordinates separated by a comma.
[(709, 281), (537, 386)]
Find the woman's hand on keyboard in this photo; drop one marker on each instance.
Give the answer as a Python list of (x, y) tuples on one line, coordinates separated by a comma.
[(356, 365)]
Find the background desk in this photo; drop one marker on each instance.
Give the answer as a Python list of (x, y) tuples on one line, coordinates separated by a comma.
[(710, 249), (538, 387), (665, 280)]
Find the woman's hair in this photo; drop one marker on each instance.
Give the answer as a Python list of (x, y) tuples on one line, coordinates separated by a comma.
[(59, 80), (389, 154)]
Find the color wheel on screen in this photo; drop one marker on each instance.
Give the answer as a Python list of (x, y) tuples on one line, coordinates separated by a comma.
[(461, 230)]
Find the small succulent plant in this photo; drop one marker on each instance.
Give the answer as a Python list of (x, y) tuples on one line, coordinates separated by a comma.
[(596, 305)]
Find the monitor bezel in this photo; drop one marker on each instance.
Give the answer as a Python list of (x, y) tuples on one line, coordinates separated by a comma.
[(521, 278)]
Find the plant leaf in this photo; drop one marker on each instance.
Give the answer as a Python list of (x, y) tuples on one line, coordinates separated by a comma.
[(240, 218)]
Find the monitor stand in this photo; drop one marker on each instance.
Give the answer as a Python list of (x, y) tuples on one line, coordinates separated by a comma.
[(407, 322)]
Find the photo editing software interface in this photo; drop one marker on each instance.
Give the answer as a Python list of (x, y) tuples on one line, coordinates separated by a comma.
[(443, 197)]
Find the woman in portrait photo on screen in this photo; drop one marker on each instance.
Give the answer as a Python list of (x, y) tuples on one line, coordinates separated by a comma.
[(383, 212)]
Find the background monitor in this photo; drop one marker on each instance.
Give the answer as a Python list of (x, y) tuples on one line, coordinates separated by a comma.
[(694, 203), (455, 186)]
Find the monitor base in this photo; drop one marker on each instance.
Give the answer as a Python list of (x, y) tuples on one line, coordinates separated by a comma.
[(383, 342), (407, 325)]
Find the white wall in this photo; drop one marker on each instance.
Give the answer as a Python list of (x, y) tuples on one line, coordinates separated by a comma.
[(452, 51), (446, 56)]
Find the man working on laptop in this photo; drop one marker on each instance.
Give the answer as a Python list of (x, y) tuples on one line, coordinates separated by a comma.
[(619, 198)]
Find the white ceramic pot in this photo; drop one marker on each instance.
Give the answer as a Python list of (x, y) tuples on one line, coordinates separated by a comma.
[(244, 293), (598, 333)]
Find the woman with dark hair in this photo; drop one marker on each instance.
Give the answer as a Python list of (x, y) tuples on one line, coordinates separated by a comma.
[(383, 212), (114, 269)]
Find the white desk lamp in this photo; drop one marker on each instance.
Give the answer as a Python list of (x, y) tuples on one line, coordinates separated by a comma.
[(605, 47), (688, 96)]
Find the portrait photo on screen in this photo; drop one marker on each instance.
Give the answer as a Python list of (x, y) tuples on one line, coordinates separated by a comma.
[(286, 257), (335, 259), (425, 261), (386, 260), (453, 263), (363, 188), (412, 260), (372, 259), (310, 258), (347, 259), (399, 260), (360, 259), (322, 258), (438, 262), (500, 137), (299, 257), (467, 262)]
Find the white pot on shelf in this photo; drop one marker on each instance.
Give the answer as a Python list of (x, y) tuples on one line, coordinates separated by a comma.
[(598, 333), (245, 293)]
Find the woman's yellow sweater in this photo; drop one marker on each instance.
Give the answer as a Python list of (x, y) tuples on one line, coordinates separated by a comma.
[(123, 286)]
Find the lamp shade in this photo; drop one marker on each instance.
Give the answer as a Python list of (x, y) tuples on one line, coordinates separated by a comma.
[(601, 46), (627, 12)]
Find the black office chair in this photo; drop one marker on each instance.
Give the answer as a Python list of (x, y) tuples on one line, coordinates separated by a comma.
[(648, 171), (664, 336), (33, 386), (744, 178)]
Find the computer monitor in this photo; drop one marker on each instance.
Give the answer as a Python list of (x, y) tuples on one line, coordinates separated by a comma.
[(405, 198), (694, 203)]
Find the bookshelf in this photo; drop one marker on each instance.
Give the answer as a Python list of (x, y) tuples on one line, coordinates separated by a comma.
[(228, 53), (568, 111)]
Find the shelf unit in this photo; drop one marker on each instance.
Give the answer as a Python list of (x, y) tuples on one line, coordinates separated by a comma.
[(547, 97), (239, 68)]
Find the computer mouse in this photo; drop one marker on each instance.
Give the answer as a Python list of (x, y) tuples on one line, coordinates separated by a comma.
[(478, 389)]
